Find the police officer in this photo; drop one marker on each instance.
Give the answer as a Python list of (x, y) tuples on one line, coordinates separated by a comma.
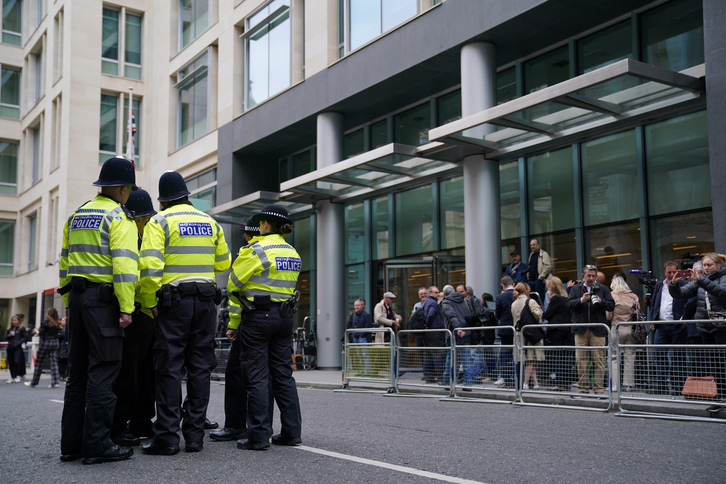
[(182, 250), (137, 344), (98, 276), (264, 276)]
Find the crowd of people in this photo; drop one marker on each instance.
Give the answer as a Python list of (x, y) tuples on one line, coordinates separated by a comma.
[(579, 318)]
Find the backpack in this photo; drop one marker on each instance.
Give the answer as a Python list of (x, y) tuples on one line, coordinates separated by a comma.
[(532, 335), (417, 320)]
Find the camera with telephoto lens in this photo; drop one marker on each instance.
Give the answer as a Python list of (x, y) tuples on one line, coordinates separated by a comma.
[(593, 291)]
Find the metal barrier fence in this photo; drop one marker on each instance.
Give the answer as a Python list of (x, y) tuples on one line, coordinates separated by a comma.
[(429, 364), (367, 361), (680, 374), (575, 377)]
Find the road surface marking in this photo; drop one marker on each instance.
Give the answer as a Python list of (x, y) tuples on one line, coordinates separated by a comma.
[(384, 465), (56, 401)]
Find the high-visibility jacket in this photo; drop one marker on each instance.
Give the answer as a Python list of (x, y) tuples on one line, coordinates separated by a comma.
[(100, 245), (267, 266), (138, 300), (180, 242), (235, 314)]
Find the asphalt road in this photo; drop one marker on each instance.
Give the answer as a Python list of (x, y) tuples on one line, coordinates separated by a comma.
[(491, 443)]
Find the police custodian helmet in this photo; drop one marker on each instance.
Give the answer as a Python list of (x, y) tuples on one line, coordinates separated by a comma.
[(172, 187), (139, 203), (117, 172), (275, 213), (251, 228)]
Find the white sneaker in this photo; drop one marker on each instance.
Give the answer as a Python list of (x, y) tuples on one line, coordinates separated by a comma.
[(525, 387), (18, 379), (499, 382), (10, 381)]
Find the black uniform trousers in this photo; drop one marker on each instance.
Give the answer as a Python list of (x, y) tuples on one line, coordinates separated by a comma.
[(266, 342), (137, 341), (96, 341), (16, 361), (140, 420), (184, 337)]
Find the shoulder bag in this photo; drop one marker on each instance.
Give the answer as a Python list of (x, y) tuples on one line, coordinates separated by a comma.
[(718, 318), (638, 331)]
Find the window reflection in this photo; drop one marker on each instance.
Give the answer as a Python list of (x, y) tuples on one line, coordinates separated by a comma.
[(551, 191), (354, 234), (370, 18), (414, 221), (673, 35), (268, 55), (673, 236), (510, 208), (412, 126), (379, 207), (615, 249), (451, 198)]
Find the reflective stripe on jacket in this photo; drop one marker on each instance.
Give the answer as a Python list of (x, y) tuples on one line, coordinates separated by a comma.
[(267, 266), (100, 245), (180, 241)]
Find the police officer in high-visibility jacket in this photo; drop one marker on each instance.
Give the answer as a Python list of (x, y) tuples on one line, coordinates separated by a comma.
[(131, 386), (263, 279), (98, 276), (182, 250)]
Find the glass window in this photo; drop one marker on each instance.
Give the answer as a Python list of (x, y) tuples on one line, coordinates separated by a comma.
[(203, 198), (39, 11), (8, 168), (677, 160), (673, 35), (38, 75), (125, 124), (193, 99), (562, 249), (32, 236), (10, 94), (353, 144), (109, 116), (354, 233), (370, 18), (451, 199), (12, 22), (448, 108), (302, 163), (605, 47), (379, 134), (551, 191), (355, 287), (7, 247), (673, 236), (201, 180), (269, 55), (511, 218), (303, 242), (611, 188), (193, 19), (132, 49), (547, 70), (36, 155), (109, 42), (412, 126), (284, 168), (381, 238), (615, 249), (506, 85), (414, 221)]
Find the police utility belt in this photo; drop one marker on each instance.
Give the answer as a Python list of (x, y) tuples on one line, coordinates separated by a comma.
[(80, 284), (204, 290), (265, 302)]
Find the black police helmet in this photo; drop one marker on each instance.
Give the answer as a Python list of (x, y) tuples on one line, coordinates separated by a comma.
[(117, 172), (252, 228), (272, 213), (172, 187), (140, 204)]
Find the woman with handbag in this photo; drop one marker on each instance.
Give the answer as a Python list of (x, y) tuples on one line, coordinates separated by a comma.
[(710, 290), (558, 313), (521, 295), (16, 337), (625, 303), (48, 332)]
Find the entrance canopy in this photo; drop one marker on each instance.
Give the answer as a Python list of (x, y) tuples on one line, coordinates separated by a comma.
[(237, 211), (624, 91), (368, 173)]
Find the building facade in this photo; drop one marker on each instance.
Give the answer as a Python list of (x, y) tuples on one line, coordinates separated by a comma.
[(414, 142)]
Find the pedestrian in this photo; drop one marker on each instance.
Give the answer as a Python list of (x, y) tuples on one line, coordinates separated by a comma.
[(517, 270), (183, 249), (138, 341), (385, 317), (539, 268), (559, 360), (503, 313), (263, 280), (362, 320), (16, 337), (48, 332), (434, 337), (625, 301), (456, 316), (521, 298), (98, 276)]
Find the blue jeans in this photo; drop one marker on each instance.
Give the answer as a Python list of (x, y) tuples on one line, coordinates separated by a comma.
[(464, 357), (362, 353)]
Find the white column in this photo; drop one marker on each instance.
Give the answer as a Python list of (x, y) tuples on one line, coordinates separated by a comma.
[(482, 224), (330, 270)]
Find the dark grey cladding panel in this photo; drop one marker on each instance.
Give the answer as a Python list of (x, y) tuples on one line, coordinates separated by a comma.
[(714, 12)]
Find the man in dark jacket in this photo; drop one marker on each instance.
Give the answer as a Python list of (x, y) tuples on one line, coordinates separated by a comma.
[(589, 302), (456, 317), (360, 319), (503, 312), (433, 359), (517, 270)]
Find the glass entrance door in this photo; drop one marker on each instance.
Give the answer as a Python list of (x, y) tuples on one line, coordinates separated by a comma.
[(404, 278)]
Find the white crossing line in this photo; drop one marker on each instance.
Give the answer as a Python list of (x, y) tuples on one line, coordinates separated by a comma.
[(56, 401), (393, 467)]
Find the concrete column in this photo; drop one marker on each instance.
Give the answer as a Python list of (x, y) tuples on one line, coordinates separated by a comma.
[(482, 224), (330, 270)]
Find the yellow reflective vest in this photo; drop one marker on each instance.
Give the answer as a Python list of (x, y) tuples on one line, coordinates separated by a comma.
[(235, 314), (267, 266), (100, 245), (180, 241)]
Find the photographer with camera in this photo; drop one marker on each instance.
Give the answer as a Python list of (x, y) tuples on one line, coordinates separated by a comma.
[(589, 303)]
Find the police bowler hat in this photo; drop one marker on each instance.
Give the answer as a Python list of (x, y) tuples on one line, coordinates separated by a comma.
[(251, 227), (272, 213), (117, 172), (139, 203), (172, 187)]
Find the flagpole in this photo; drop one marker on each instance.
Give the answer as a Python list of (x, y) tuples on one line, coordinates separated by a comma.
[(129, 130)]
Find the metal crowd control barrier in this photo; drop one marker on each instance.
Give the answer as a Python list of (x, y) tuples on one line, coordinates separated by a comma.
[(680, 375), (565, 374), (369, 362), (221, 352), (487, 369), (424, 366)]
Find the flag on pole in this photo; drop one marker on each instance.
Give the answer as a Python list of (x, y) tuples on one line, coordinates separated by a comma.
[(131, 132)]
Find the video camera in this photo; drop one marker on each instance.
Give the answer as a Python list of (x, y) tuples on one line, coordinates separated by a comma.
[(648, 280), (688, 259)]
